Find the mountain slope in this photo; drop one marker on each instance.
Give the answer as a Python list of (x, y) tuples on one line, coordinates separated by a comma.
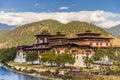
[(24, 35), (115, 30), (2, 33), (5, 27)]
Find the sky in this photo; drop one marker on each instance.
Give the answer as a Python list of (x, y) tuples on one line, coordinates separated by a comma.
[(103, 13)]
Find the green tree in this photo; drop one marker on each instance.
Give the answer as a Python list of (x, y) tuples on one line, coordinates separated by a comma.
[(117, 60), (64, 58), (59, 59), (7, 54), (32, 56), (110, 53), (99, 55), (88, 61), (49, 57)]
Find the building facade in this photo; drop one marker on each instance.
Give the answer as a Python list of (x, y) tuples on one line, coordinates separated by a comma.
[(85, 44)]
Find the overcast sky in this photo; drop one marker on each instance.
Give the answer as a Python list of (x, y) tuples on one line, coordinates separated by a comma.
[(104, 13)]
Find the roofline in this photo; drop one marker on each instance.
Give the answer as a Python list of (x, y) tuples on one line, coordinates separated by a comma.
[(43, 35), (87, 38), (88, 33), (57, 38)]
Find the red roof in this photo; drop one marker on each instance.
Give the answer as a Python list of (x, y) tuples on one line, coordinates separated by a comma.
[(34, 48), (59, 44)]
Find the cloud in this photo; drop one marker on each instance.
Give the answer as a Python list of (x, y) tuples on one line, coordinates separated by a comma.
[(12, 9), (63, 8), (2, 12), (100, 18), (36, 4)]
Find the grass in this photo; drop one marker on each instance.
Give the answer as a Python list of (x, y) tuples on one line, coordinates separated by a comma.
[(38, 66), (82, 76), (48, 67)]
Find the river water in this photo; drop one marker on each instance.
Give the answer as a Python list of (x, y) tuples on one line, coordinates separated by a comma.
[(9, 75)]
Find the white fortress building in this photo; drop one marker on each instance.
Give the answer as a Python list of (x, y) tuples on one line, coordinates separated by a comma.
[(85, 44)]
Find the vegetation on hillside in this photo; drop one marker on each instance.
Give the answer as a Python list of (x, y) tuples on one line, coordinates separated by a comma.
[(24, 35), (115, 30), (2, 33), (7, 54)]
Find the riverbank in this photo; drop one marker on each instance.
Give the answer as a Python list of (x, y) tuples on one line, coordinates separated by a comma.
[(16, 69), (54, 73)]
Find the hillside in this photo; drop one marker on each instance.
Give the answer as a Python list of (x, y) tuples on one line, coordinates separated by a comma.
[(24, 35), (2, 33), (115, 30), (5, 27)]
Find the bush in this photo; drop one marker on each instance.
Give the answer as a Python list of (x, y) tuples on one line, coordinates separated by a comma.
[(7, 54), (32, 56)]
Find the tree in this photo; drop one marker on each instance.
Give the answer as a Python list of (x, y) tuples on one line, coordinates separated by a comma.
[(32, 56), (117, 60), (99, 55), (59, 59), (88, 61), (7, 54), (64, 58), (49, 57), (111, 53)]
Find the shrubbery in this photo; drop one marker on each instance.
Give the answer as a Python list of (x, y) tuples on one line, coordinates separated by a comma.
[(7, 54), (58, 59), (32, 56)]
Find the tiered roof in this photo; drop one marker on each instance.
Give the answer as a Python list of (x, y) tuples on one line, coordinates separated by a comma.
[(58, 35), (90, 35), (87, 35), (44, 33)]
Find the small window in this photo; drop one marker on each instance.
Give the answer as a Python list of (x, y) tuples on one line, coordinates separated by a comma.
[(76, 57), (87, 54), (97, 43), (40, 41), (95, 66), (83, 57), (90, 43), (107, 44)]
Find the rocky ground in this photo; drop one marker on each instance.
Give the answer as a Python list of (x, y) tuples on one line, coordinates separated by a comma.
[(55, 73)]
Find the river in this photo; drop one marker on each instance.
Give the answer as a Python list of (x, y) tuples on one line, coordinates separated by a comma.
[(9, 75)]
